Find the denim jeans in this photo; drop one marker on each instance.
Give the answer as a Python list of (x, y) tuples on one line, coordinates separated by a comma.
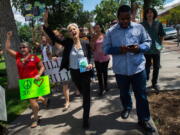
[(138, 83)]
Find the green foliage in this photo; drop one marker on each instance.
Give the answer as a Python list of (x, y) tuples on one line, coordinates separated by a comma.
[(157, 3), (173, 16), (25, 33), (14, 105), (84, 18), (62, 12), (106, 11), (152, 3)]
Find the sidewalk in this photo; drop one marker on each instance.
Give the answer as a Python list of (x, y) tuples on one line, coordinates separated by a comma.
[(105, 117), (169, 75), (105, 112)]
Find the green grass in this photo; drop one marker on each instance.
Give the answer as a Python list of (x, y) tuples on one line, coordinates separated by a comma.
[(2, 65), (3, 75), (14, 105)]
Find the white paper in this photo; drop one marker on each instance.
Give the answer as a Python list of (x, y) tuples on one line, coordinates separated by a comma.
[(52, 69)]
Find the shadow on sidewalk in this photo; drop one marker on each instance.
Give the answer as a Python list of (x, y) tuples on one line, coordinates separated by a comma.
[(99, 124)]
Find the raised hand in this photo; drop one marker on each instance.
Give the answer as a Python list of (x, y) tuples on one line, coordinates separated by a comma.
[(9, 34), (46, 18), (8, 44)]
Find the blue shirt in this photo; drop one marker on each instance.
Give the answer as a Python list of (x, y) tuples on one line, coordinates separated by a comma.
[(129, 63)]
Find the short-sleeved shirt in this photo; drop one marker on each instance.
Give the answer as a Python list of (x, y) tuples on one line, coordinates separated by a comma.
[(155, 31), (28, 68)]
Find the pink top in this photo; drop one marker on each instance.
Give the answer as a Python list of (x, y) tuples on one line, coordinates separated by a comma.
[(99, 55)]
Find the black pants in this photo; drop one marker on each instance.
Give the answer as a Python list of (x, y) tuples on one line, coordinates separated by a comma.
[(102, 74), (155, 60), (82, 82)]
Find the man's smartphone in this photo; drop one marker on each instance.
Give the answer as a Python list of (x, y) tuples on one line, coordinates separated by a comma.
[(131, 46)]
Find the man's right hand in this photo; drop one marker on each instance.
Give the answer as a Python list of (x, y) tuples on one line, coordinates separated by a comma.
[(9, 34), (123, 49)]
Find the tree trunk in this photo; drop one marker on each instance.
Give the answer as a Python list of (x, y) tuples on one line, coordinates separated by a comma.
[(7, 23)]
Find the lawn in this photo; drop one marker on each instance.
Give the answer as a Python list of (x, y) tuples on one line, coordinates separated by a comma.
[(2, 65), (14, 106)]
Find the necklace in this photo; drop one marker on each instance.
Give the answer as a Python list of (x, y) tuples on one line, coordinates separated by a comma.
[(25, 59)]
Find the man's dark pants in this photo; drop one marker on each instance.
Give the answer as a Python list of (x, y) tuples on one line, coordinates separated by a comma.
[(155, 60), (138, 83)]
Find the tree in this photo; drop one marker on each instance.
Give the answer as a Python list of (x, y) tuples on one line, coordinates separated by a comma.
[(172, 17), (106, 11), (25, 33), (62, 12), (7, 23), (84, 18)]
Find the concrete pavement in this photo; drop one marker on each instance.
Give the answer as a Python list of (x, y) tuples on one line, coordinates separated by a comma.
[(169, 76), (105, 112), (105, 117)]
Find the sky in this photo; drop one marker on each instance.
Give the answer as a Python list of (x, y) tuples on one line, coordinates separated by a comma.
[(91, 4), (88, 5)]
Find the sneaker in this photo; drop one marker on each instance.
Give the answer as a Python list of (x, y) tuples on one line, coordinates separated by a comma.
[(146, 126)]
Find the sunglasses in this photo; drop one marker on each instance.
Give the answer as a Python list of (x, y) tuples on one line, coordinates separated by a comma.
[(23, 47)]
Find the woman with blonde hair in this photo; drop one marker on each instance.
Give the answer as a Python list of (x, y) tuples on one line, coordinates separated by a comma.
[(76, 58)]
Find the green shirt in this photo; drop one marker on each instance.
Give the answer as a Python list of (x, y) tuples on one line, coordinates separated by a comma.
[(155, 31)]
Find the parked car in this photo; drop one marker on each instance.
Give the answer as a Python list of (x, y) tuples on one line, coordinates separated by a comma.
[(170, 32)]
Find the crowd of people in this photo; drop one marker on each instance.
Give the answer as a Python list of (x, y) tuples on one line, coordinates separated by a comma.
[(134, 47)]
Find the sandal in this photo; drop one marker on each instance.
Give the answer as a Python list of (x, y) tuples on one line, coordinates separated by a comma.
[(35, 123), (47, 102), (66, 107)]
